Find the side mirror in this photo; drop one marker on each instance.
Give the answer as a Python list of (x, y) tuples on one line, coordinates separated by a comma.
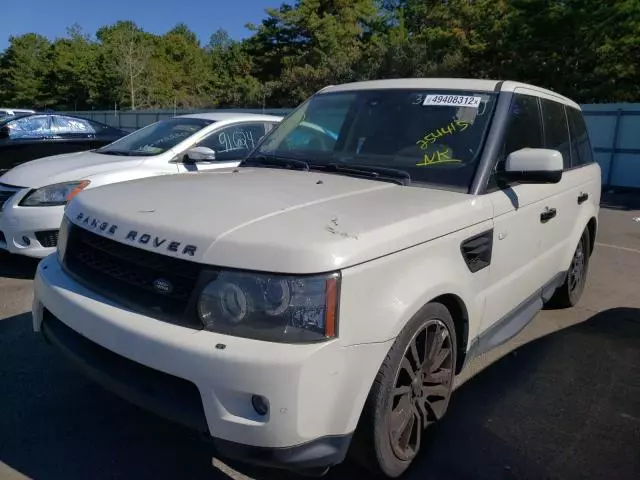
[(199, 154), (534, 165)]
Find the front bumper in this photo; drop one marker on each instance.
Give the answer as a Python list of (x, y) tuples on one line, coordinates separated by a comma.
[(30, 231), (315, 392)]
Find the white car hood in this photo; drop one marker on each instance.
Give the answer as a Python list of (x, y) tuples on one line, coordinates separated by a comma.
[(274, 220), (66, 167)]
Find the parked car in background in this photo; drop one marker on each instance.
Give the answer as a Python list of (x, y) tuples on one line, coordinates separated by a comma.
[(322, 297), (27, 136), (33, 195)]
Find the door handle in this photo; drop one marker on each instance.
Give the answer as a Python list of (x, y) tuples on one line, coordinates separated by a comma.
[(582, 198), (547, 215)]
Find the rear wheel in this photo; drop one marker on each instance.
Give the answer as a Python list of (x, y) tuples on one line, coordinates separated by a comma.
[(569, 293), (410, 393)]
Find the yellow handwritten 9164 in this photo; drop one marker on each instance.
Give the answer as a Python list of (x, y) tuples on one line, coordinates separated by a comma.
[(431, 137), (436, 158)]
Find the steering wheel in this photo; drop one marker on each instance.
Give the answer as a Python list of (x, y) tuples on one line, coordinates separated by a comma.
[(320, 137)]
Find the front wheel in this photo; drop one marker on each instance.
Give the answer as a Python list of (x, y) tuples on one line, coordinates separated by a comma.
[(410, 393)]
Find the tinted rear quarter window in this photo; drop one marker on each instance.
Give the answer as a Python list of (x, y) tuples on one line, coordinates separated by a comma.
[(582, 153), (556, 130)]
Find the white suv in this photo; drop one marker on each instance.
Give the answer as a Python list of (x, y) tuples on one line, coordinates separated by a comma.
[(321, 297)]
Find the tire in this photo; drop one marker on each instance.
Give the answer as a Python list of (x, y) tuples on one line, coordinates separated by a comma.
[(394, 400), (568, 294)]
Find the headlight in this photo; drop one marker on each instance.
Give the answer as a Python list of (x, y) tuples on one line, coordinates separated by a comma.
[(277, 308), (63, 237), (52, 195)]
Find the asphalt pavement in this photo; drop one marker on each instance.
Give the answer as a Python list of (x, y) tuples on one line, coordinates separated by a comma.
[(559, 401)]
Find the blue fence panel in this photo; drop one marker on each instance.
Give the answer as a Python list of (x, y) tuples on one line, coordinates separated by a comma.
[(614, 130), (615, 134)]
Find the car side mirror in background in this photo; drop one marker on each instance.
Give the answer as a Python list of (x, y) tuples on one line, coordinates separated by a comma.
[(199, 154), (533, 165)]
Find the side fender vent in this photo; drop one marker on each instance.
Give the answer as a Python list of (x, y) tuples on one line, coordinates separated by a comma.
[(476, 251)]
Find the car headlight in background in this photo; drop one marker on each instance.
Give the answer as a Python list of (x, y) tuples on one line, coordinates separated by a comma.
[(277, 308), (54, 195), (63, 238)]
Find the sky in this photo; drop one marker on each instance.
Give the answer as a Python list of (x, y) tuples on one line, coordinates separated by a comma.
[(52, 17)]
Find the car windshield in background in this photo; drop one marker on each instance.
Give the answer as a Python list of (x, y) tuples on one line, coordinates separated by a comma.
[(432, 137), (156, 138)]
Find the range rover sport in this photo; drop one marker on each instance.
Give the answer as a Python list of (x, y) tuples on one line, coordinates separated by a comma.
[(320, 298)]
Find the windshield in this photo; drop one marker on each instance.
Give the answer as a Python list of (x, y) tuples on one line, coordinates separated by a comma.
[(432, 137), (156, 138)]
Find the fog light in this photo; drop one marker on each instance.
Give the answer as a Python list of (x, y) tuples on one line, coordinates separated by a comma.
[(26, 240), (260, 404)]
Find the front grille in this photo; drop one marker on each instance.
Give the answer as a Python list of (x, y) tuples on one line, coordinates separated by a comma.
[(48, 238), (6, 192), (126, 274)]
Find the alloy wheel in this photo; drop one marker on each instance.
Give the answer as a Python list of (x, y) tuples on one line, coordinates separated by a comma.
[(576, 271), (421, 389)]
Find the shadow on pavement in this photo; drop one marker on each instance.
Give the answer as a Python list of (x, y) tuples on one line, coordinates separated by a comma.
[(55, 424), (17, 266), (564, 406)]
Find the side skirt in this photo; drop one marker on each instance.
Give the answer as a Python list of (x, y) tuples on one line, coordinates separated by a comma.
[(513, 322)]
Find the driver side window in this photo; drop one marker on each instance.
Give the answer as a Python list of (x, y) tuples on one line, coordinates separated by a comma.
[(524, 130), (234, 142)]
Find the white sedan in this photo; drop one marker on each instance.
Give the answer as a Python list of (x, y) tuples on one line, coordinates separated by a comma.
[(33, 195)]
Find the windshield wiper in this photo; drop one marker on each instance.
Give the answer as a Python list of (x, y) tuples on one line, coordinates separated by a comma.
[(276, 161), (384, 174)]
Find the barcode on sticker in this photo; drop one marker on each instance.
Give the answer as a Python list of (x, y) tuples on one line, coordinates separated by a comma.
[(453, 100)]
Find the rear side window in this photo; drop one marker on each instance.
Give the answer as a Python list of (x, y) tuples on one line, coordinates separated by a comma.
[(581, 151), (556, 129), (69, 125)]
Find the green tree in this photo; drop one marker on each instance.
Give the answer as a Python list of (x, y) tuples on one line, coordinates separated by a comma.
[(232, 83), (74, 76), (586, 49), (179, 72), (304, 47), (127, 51), (23, 69)]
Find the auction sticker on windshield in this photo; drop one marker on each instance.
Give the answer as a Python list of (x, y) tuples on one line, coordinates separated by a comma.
[(453, 100)]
